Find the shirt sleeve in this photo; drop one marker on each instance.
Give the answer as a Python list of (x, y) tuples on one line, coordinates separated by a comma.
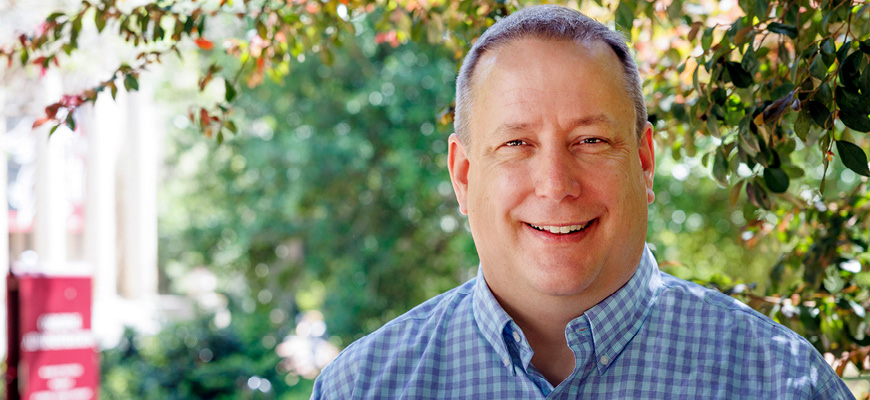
[(829, 386), (338, 380)]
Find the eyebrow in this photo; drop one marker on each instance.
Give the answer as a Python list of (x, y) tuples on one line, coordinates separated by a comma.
[(586, 120)]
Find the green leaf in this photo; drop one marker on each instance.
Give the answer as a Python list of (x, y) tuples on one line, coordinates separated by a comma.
[(761, 9), (100, 21), (818, 69), (783, 29), (707, 39), (802, 125), (130, 82), (864, 80), (757, 196), (843, 51), (739, 76), (853, 157), (750, 60), (833, 282), (820, 113), (70, 122), (829, 52), (54, 16), (776, 180), (229, 91), (849, 69), (856, 120), (720, 168), (261, 30), (864, 46), (848, 99), (188, 24)]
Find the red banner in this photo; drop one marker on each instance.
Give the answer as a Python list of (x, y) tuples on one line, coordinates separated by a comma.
[(50, 326)]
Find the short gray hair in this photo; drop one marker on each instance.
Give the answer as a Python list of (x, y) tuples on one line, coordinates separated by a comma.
[(548, 22)]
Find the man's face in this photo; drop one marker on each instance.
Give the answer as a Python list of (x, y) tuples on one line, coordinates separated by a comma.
[(554, 181)]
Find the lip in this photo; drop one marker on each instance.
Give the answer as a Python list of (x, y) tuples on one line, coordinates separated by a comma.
[(565, 237)]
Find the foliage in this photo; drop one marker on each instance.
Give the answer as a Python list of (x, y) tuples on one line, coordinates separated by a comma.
[(196, 360), (766, 95), (340, 188)]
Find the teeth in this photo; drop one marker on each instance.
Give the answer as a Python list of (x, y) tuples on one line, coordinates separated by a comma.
[(560, 229)]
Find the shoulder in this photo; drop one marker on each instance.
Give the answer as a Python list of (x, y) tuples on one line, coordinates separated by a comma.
[(711, 312), (394, 349), (728, 333)]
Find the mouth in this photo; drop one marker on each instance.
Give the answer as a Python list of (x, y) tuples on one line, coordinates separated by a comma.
[(562, 229)]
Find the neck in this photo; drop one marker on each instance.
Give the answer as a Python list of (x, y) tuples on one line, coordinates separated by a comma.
[(545, 332), (544, 318)]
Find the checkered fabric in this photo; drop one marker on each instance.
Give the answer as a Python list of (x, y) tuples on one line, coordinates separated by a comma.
[(658, 337)]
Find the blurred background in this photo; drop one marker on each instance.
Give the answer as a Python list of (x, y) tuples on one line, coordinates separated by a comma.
[(238, 266)]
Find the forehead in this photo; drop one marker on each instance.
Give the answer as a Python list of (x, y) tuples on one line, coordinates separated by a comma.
[(563, 78)]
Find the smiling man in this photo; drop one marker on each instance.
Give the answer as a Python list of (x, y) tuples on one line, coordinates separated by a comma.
[(553, 163)]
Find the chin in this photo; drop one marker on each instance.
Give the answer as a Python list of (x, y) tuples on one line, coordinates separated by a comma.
[(562, 284)]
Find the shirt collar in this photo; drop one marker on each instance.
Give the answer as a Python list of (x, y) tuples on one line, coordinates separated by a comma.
[(491, 318), (614, 321), (617, 319)]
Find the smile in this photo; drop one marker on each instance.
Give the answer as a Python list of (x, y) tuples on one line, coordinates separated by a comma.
[(560, 230)]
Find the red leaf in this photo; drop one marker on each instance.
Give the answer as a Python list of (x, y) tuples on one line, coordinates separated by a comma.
[(51, 111), (203, 117), (204, 44), (40, 122)]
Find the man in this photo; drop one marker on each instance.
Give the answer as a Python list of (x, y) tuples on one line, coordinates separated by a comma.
[(553, 163)]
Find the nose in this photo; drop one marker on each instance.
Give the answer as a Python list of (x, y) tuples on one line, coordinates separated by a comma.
[(557, 175)]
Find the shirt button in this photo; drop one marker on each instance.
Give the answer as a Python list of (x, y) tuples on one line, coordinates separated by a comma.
[(507, 361), (604, 360), (517, 337)]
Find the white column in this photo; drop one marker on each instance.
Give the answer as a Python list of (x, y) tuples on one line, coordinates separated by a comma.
[(51, 213), (139, 278), (99, 233), (4, 223), (4, 203)]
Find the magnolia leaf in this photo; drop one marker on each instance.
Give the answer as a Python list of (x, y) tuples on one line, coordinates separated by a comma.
[(853, 157), (856, 120), (847, 99), (783, 29), (720, 168), (864, 46), (829, 52), (775, 110), (859, 311), (843, 51), (776, 180), (757, 195), (707, 39), (819, 113), (750, 60), (849, 68), (734, 196), (739, 76), (818, 69), (802, 125)]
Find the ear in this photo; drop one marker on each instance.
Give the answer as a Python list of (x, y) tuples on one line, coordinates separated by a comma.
[(457, 163), (646, 151)]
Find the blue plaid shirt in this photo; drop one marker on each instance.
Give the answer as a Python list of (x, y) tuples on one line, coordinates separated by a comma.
[(658, 337)]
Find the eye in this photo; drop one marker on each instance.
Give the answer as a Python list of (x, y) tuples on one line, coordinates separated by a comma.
[(515, 142), (592, 141)]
